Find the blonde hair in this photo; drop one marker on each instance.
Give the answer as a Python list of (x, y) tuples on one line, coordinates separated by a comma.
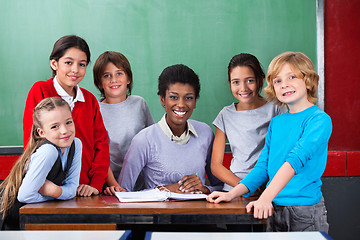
[(303, 68), (10, 186)]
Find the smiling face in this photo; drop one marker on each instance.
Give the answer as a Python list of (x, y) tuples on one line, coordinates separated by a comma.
[(70, 69), (179, 102), (243, 87), (291, 90), (114, 82), (57, 126)]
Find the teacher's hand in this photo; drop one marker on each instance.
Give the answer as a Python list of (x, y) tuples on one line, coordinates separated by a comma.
[(192, 184)]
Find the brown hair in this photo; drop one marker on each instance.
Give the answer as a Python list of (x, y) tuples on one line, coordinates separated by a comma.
[(248, 60), (67, 42), (303, 68), (116, 58), (10, 186)]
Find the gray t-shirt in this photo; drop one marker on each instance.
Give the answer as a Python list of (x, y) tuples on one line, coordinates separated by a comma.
[(245, 131), (122, 122)]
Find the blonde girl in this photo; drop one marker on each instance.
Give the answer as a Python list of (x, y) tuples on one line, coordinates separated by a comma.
[(50, 166)]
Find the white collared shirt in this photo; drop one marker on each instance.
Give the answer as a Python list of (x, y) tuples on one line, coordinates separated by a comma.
[(184, 138), (64, 95)]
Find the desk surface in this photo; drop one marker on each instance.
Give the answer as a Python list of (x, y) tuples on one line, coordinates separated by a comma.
[(237, 236), (60, 235), (110, 205)]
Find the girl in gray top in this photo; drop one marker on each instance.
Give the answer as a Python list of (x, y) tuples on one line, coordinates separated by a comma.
[(244, 123), (124, 114)]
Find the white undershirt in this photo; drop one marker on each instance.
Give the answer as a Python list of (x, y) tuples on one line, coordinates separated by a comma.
[(64, 95)]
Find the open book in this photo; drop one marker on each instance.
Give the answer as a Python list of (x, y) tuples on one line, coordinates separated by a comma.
[(155, 195)]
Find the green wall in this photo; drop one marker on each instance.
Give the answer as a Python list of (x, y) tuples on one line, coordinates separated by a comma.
[(152, 34)]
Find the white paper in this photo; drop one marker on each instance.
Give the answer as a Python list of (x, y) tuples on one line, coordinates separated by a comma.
[(182, 196), (155, 195), (142, 196)]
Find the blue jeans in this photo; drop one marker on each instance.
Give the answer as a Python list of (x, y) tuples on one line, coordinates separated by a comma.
[(300, 218)]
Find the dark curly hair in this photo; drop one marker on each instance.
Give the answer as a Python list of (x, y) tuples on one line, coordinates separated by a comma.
[(178, 73)]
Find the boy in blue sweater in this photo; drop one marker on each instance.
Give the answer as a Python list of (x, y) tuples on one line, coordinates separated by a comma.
[(295, 151)]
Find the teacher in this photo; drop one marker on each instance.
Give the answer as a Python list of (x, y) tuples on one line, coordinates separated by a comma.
[(174, 153)]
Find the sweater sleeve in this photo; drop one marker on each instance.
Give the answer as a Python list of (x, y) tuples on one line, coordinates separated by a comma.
[(40, 165), (101, 161), (34, 96), (71, 183), (38, 92), (259, 174), (316, 134), (134, 162)]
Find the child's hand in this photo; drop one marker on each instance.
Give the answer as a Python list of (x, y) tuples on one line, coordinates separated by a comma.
[(86, 190), (262, 209), (112, 189), (216, 197)]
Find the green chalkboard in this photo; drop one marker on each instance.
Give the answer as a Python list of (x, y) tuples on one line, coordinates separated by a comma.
[(152, 34)]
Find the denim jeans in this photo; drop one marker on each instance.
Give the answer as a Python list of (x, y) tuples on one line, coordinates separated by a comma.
[(300, 218)]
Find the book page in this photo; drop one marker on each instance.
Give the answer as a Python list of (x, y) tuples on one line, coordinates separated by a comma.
[(142, 196), (155, 195), (183, 196)]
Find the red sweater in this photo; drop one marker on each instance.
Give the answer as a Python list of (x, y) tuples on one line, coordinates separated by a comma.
[(89, 128)]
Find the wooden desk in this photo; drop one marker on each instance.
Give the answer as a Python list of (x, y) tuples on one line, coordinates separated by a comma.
[(98, 211)]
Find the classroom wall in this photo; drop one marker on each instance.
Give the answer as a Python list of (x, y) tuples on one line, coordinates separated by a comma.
[(342, 53), (342, 67), (203, 34), (24, 60)]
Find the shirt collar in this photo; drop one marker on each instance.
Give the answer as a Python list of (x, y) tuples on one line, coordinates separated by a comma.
[(184, 138), (64, 95)]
